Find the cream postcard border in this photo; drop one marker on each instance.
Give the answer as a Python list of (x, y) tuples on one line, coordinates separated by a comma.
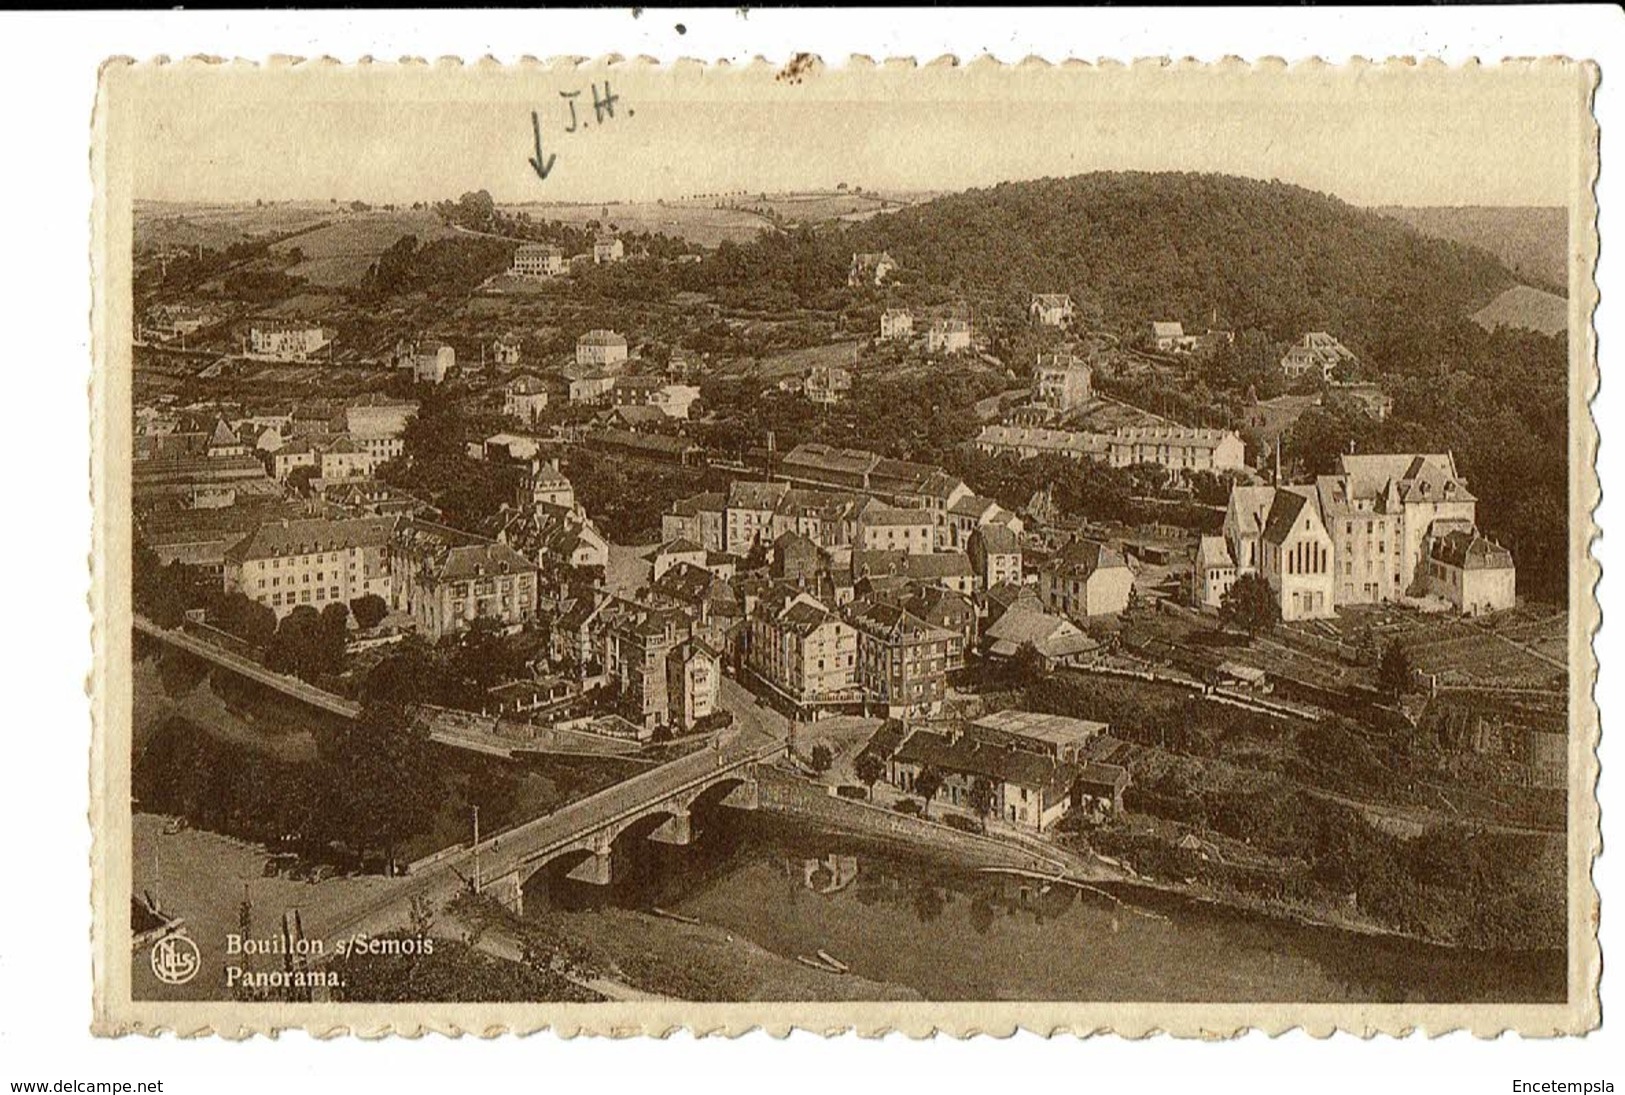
[(121, 82)]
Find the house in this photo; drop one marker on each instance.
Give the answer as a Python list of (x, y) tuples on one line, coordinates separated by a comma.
[(1474, 574), (948, 336), (1317, 354), (902, 660), (795, 559), (1050, 309), (506, 352), (800, 649), (1295, 555), (607, 248), (1166, 336), (970, 513), (1028, 789), (944, 608), (446, 579), (1061, 382), (285, 339), (693, 682), (714, 609), (1380, 510), (601, 349), (896, 323), (510, 448), (750, 513), (1057, 736), (545, 486), (285, 563), (995, 555), (343, 459), (1085, 579), (948, 569), (649, 447), (377, 423), (592, 388), (1007, 595), (537, 260), (1056, 639), (900, 482), (827, 384), (674, 552), (224, 441), (700, 518), (431, 366), (1180, 449), (870, 268), (827, 518), (1214, 572), (635, 642), (1024, 442), (1100, 787), (525, 398), (910, 529)]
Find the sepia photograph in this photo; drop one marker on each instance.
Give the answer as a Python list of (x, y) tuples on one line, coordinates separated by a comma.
[(607, 544)]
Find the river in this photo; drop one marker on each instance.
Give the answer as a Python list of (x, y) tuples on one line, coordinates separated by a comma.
[(782, 887), (951, 934)]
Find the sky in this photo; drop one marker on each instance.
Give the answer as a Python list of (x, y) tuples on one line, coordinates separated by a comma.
[(1391, 137)]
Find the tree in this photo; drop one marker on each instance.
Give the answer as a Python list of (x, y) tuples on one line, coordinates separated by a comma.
[(926, 785), (1250, 605), (870, 767), (1028, 664), (369, 610), (983, 798), (821, 757), (1394, 670), (299, 479), (385, 785)]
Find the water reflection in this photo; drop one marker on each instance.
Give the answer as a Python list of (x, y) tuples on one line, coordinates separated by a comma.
[(959, 934)]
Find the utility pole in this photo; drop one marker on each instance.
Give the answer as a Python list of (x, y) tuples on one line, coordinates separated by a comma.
[(476, 849)]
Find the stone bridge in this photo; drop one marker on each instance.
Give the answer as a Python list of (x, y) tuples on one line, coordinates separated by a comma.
[(657, 805)]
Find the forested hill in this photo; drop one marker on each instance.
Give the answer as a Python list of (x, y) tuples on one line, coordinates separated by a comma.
[(1533, 241), (1180, 246)]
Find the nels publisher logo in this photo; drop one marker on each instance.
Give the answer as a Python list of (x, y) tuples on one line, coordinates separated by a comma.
[(175, 959)]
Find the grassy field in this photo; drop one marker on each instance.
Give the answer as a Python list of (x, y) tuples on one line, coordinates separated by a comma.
[(797, 362), (694, 222), (1527, 307), (189, 224), (340, 254)]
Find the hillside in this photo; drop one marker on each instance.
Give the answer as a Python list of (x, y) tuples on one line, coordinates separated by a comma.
[(1532, 241), (1528, 308), (1266, 255)]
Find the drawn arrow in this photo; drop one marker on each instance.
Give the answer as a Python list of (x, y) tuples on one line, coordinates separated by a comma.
[(542, 164)]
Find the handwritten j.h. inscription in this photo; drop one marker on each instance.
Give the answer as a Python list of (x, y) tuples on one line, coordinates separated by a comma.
[(603, 109)]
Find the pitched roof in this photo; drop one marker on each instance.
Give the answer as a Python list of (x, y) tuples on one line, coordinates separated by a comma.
[(748, 494), (304, 537), (998, 540), (1083, 557), (1470, 551), (972, 754), (525, 384), (1284, 511), (1212, 551), (601, 337), (678, 546)]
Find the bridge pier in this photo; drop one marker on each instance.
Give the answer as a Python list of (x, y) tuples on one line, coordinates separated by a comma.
[(597, 869), (509, 890), (677, 829)]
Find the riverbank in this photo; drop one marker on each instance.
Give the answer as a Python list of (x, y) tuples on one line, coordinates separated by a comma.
[(630, 954)]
